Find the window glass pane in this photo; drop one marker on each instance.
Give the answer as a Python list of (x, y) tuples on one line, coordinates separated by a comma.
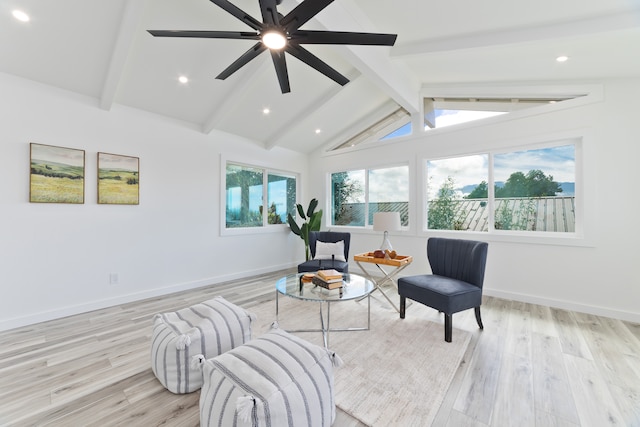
[(446, 118), (347, 198), (404, 130), (244, 196), (281, 196), (389, 192), (535, 190), (455, 196)]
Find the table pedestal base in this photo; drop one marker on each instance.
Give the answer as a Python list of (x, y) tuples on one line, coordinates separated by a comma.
[(325, 329)]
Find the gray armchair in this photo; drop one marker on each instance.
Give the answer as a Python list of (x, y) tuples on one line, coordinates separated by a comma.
[(322, 261), (456, 283)]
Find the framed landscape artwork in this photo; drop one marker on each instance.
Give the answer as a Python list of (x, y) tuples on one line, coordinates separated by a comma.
[(118, 179), (57, 174)]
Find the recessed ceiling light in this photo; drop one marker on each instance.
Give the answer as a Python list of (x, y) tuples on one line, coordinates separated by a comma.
[(266, 111), (20, 16), (318, 131), (562, 58), (183, 79)]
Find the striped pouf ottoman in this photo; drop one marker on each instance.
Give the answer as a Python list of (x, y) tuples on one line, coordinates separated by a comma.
[(277, 379), (183, 339)]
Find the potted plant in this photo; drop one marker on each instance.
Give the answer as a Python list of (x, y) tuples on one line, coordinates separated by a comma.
[(312, 221)]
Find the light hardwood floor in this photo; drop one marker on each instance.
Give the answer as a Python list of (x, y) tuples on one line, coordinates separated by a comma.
[(531, 366)]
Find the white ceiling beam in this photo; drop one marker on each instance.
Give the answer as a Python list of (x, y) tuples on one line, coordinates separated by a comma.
[(372, 61), (606, 23), (131, 16)]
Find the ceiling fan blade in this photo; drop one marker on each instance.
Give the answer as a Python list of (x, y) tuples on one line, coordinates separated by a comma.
[(281, 70), (239, 13), (343, 37), (313, 61), (242, 35), (303, 13), (256, 50), (269, 13)]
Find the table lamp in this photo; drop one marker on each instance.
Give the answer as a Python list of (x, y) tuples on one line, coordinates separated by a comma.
[(386, 221)]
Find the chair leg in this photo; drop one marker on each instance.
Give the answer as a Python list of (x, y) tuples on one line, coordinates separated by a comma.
[(403, 306), (478, 318), (447, 327)]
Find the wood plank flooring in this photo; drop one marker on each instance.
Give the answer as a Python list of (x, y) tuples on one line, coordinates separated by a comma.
[(531, 366)]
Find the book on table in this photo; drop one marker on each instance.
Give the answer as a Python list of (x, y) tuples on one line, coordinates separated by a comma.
[(328, 275), (330, 284)]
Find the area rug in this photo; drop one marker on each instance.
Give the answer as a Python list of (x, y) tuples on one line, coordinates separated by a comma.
[(396, 373)]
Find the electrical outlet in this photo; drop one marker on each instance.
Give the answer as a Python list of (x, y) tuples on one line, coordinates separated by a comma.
[(114, 279)]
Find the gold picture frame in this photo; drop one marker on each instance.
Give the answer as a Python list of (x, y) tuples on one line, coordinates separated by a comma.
[(118, 179), (56, 174)]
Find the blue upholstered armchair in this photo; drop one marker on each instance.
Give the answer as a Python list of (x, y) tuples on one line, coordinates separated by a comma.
[(329, 249), (456, 283)]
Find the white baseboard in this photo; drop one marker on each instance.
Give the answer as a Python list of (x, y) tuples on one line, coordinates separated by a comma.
[(566, 305), (58, 313)]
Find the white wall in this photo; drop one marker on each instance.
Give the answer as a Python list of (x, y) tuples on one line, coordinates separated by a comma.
[(55, 259), (597, 275)]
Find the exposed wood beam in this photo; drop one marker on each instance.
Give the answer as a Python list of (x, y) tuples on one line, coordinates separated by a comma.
[(131, 17)]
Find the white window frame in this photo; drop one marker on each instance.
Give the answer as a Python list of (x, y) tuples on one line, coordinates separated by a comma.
[(584, 194), (329, 192), (266, 227)]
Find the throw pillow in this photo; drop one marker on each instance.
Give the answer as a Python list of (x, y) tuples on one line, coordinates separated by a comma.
[(324, 250)]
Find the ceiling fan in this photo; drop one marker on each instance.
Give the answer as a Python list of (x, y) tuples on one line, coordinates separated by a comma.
[(280, 34)]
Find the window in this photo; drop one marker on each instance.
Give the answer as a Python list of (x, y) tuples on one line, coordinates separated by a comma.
[(393, 125), (450, 181), (357, 195), (247, 187), (281, 198), (533, 191), (444, 118), (443, 112), (440, 112)]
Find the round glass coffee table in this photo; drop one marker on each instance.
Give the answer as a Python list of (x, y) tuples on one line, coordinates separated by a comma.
[(354, 288)]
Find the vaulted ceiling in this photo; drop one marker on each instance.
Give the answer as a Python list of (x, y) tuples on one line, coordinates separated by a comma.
[(102, 49)]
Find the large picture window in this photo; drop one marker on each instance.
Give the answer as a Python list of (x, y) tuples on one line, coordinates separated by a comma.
[(453, 201), (247, 188), (529, 190), (356, 195)]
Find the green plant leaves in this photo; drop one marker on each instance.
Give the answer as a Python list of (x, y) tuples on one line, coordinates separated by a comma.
[(293, 225), (313, 221), (313, 204), (301, 211)]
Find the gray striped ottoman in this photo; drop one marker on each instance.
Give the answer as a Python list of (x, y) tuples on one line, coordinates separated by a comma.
[(277, 379), (182, 339)]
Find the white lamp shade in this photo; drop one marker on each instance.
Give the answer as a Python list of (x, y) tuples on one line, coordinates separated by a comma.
[(386, 221)]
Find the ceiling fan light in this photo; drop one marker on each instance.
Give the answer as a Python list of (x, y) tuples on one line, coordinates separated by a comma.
[(274, 40)]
